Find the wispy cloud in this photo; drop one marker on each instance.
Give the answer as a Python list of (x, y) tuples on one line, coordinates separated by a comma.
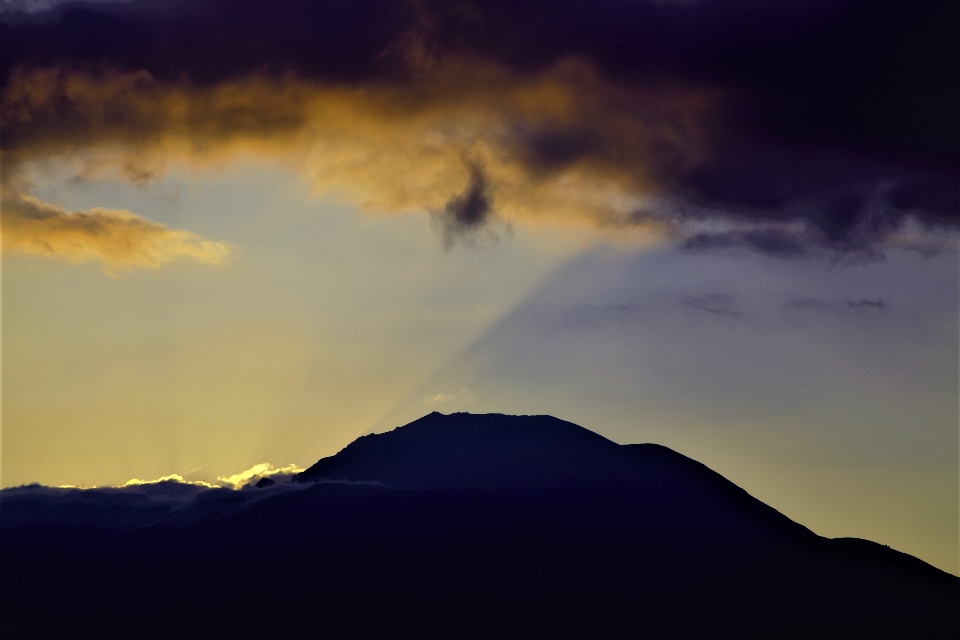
[(463, 396), (118, 239), (878, 304)]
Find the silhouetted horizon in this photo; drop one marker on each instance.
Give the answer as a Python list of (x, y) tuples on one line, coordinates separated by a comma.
[(466, 499)]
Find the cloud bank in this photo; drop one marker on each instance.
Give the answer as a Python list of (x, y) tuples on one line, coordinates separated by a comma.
[(790, 128)]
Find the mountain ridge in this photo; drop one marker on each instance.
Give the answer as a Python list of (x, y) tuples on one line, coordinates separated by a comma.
[(512, 522), (531, 453)]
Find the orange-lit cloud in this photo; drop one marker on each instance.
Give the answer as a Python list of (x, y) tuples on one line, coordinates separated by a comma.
[(384, 147), (643, 115), (472, 143), (118, 239)]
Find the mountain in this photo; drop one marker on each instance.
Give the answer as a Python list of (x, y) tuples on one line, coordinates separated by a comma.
[(458, 525)]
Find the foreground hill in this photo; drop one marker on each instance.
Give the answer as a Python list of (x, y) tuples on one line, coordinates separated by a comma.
[(458, 525)]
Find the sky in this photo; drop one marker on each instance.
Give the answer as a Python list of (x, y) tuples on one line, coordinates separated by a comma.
[(239, 233)]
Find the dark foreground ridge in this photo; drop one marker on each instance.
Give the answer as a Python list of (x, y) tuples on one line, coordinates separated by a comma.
[(456, 526)]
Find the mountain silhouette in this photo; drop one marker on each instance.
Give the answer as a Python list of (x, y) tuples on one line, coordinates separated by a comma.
[(458, 525)]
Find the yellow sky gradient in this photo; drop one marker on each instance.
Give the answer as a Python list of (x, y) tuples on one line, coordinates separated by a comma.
[(328, 322)]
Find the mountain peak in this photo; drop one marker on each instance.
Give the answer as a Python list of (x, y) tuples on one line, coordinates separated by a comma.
[(527, 502), (463, 450)]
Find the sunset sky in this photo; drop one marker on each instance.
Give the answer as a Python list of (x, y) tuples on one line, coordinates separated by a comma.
[(240, 232)]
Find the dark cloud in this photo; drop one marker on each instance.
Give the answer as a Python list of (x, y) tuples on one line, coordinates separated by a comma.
[(551, 148), (877, 304), (935, 197), (470, 209), (830, 124), (37, 509), (771, 242), (40, 509), (818, 304), (654, 307), (866, 242), (208, 41), (468, 215), (846, 202), (38, 6), (827, 105)]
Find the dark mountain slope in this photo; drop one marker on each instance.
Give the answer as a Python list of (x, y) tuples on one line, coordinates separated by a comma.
[(456, 526), (539, 455)]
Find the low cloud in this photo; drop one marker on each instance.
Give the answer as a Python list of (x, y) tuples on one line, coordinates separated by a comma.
[(171, 485), (38, 509), (257, 472), (173, 478), (245, 478)]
